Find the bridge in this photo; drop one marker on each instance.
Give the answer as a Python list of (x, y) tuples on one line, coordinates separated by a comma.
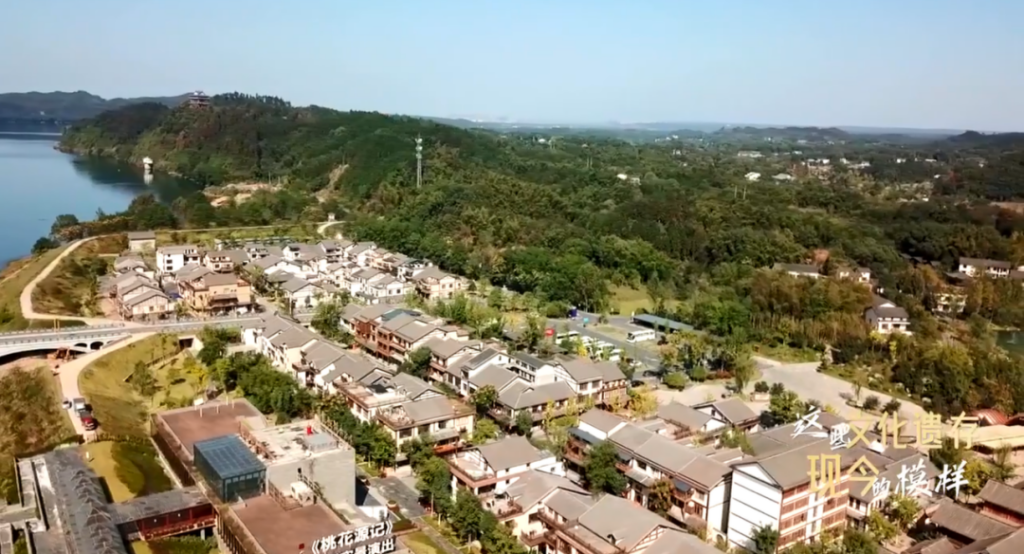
[(95, 337)]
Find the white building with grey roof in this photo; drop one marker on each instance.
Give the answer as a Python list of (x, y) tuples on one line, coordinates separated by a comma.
[(610, 525), (700, 479), (409, 408), (491, 468)]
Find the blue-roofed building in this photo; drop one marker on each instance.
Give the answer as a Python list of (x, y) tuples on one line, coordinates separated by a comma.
[(230, 468)]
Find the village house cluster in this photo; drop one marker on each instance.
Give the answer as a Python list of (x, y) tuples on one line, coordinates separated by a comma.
[(527, 490), (185, 279), (309, 273), (219, 280), (367, 376)]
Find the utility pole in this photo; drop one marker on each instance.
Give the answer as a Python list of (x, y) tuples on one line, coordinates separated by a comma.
[(419, 162)]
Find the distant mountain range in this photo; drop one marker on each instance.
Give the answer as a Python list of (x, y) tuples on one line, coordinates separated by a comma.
[(51, 111), (690, 128), (69, 106)]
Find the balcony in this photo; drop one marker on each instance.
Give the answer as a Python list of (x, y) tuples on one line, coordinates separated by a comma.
[(503, 508), (472, 473), (533, 538), (576, 537)]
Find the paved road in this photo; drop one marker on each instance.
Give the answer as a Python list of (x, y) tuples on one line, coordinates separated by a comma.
[(650, 359), (26, 294), (69, 373), (394, 489)]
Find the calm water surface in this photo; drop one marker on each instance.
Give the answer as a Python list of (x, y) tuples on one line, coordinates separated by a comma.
[(38, 183)]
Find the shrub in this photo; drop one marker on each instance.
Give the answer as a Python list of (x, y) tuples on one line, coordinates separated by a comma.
[(676, 380), (761, 387), (891, 407), (699, 374), (871, 403), (777, 389)]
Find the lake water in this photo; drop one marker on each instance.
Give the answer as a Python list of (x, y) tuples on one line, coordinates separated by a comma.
[(38, 183)]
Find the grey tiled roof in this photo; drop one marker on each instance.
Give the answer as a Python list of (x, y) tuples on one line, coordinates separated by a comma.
[(1003, 496), (601, 420), (88, 524), (1010, 543), (295, 284), (510, 452), (676, 542), (158, 504), (520, 395), (415, 330), (149, 294), (568, 505), (446, 348), (429, 409), (966, 522), (322, 354), (582, 370), (680, 414), (483, 357), (494, 376), (623, 520), (529, 359), (734, 410), (533, 486), (412, 385), (295, 336)]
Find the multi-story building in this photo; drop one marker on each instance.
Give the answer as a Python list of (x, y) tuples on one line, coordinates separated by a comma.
[(493, 467), (569, 522), (733, 411), (433, 284), (409, 408), (215, 293), (684, 421), (886, 317), (225, 261), (169, 259), (700, 478), (281, 340), (976, 267)]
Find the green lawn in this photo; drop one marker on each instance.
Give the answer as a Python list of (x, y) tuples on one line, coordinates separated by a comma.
[(101, 460), (129, 470), (104, 383), (420, 543)]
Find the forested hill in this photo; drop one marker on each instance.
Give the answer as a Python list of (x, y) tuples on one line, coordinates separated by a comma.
[(67, 106), (579, 220), (566, 218)]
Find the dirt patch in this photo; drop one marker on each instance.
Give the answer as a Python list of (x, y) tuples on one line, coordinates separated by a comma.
[(1012, 206), (237, 192)]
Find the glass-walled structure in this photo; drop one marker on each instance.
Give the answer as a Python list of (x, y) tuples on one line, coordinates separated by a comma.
[(231, 469)]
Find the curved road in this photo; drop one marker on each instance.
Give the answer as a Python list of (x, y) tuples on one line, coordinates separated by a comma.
[(69, 373), (26, 294)]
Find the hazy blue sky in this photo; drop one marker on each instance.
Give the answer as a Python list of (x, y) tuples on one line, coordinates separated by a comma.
[(910, 63)]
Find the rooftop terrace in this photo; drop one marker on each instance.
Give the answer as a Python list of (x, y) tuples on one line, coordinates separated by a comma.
[(216, 419)]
